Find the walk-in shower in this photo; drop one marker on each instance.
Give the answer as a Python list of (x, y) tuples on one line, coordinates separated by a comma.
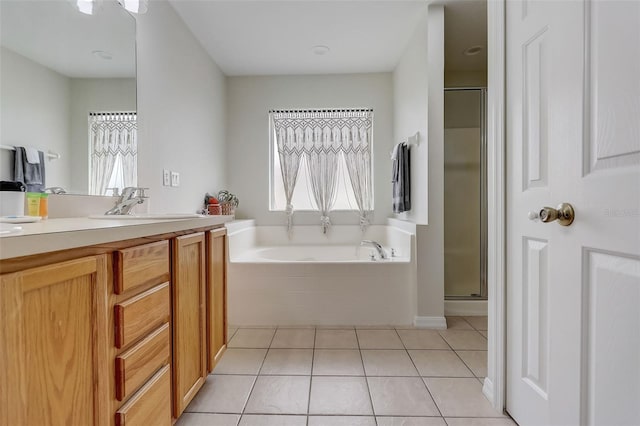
[(465, 200)]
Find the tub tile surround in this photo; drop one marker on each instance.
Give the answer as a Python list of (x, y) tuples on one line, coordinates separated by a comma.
[(339, 381)]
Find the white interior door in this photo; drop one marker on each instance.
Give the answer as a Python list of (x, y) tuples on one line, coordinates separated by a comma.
[(573, 135)]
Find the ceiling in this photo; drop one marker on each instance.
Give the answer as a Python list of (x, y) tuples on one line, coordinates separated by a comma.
[(269, 37), (54, 34)]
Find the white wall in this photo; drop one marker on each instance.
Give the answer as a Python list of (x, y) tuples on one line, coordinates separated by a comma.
[(93, 94), (419, 106), (34, 111), (249, 101), (181, 101)]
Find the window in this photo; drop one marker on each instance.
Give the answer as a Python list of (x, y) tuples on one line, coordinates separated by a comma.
[(113, 151), (321, 161)]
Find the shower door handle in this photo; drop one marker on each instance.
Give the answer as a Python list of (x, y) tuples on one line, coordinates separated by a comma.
[(564, 214)]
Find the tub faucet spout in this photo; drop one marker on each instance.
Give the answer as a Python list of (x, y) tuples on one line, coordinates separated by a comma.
[(375, 245)]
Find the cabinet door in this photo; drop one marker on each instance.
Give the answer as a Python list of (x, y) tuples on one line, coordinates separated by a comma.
[(216, 297), (189, 343), (53, 335)]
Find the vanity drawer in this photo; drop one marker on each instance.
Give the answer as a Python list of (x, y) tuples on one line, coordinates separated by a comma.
[(146, 264), (141, 314), (136, 365), (151, 405)]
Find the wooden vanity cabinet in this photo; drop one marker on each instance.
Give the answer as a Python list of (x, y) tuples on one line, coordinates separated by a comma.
[(216, 296), (121, 334), (189, 325), (54, 344), (142, 335)]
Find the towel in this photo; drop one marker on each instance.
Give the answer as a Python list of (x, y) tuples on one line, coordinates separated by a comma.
[(32, 175), (33, 155), (401, 179)]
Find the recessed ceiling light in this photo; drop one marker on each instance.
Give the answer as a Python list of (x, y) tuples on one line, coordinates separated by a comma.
[(473, 50), (320, 50), (102, 55)]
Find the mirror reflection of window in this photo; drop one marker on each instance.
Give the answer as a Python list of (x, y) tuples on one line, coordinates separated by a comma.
[(57, 66), (113, 148)]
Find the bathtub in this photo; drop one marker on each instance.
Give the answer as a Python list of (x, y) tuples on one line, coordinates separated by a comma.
[(317, 279)]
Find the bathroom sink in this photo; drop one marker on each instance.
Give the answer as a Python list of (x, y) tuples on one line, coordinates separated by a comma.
[(146, 216)]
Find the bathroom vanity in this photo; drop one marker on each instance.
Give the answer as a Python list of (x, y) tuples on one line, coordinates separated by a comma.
[(109, 323)]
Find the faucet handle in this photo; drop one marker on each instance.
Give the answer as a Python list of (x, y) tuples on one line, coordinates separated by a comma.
[(116, 191), (141, 193)]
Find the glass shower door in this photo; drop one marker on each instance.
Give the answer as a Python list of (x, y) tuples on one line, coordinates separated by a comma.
[(465, 193)]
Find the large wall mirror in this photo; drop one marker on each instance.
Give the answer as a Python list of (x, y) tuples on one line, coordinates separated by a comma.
[(68, 87)]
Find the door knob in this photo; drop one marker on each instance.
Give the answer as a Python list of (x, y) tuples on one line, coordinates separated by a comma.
[(564, 214)]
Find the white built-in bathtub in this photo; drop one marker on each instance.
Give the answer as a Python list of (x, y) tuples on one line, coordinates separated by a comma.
[(317, 279)]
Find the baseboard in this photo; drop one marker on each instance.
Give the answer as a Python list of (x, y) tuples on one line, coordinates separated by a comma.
[(465, 308), (487, 390), (438, 323)]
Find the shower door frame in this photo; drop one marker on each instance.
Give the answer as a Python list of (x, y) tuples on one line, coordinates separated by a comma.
[(483, 194)]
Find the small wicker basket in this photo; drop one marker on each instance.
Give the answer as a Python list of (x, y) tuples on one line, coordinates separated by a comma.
[(228, 208)]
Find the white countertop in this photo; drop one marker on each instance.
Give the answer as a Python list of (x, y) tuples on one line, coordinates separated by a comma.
[(62, 234)]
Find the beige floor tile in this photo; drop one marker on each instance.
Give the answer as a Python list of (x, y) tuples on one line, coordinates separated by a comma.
[(252, 338), (478, 322), (300, 338), (422, 339), (411, 421), (379, 339), (465, 339), (460, 398), (484, 333), (339, 395), (458, 323), (401, 396), (240, 361), (222, 394), (462, 421), (288, 362), (272, 420), (336, 339), (439, 364), (279, 395), (476, 361), (342, 421), (206, 419), (337, 362), (388, 362)]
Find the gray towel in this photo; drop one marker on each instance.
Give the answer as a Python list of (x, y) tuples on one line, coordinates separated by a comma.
[(401, 179), (32, 175)]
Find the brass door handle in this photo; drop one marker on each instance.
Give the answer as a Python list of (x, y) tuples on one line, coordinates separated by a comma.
[(564, 214)]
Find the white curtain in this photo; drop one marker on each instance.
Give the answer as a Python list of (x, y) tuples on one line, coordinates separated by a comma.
[(321, 136), (323, 150), (114, 151), (289, 140), (358, 159)]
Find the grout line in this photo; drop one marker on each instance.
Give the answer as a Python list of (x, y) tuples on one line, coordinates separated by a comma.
[(366, 380), (313, 361), (244, 407), (419, 376)]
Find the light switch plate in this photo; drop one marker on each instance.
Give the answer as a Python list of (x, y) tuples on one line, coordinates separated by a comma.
[(175, 179), (166, 177)]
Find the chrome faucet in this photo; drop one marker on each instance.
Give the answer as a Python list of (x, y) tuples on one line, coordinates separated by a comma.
[(130, 196), (377, 246), (55, 190)]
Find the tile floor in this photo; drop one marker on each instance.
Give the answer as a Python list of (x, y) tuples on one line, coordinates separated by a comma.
[(351, 376)]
